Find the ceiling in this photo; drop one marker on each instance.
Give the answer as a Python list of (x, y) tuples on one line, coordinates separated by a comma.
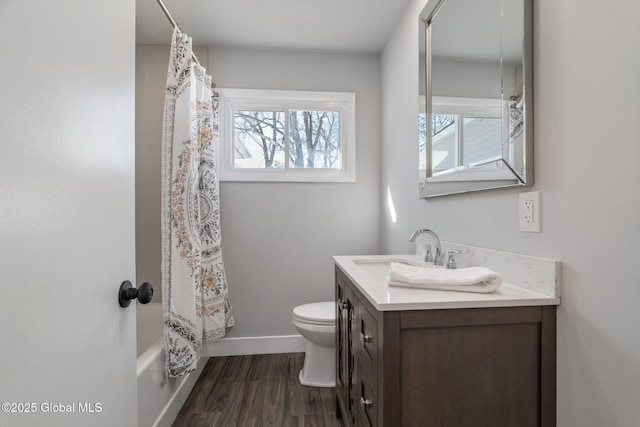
[(309, 25)]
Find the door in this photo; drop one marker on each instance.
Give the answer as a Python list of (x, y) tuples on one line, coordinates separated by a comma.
[(67, 352)]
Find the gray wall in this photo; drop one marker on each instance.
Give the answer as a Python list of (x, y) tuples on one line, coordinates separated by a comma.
[(471, 79), (278, 238), (586, 170)]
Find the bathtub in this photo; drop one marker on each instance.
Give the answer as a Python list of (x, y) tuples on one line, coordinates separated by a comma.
[(159, 401)]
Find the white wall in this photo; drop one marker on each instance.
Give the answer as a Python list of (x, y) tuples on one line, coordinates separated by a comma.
[(278, 238), (586, 96), (67, 211)]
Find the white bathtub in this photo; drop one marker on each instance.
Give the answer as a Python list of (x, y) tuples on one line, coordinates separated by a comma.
[(159, 401)]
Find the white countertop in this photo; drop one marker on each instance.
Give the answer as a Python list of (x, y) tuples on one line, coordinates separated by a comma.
[(391, 298)]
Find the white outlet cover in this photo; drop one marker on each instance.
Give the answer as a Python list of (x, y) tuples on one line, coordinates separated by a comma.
[(529, 212)]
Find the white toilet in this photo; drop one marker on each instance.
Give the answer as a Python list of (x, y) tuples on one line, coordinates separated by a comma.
[(316, 322)]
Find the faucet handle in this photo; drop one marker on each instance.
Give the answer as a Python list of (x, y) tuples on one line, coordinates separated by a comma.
[(428, 256), (451, 261)]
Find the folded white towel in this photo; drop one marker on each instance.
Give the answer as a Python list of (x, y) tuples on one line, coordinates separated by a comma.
[(471, 279)]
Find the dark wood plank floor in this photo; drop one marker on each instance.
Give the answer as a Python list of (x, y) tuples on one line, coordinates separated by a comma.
[(255, 391)]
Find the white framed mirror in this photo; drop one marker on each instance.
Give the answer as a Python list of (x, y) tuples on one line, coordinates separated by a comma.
[(475, 121)]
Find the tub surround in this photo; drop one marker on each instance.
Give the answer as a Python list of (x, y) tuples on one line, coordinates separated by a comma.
[(527, 281), (159, 399)]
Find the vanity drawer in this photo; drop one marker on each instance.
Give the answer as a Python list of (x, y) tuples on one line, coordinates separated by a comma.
[(366, 404), (367, 342)]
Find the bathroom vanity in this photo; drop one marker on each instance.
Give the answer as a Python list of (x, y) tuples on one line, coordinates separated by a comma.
[(416, 357)]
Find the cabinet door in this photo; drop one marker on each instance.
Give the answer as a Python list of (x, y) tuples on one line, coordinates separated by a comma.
[(366, 336), (366, 405), (345, 360), (366, 341), (471, 368)]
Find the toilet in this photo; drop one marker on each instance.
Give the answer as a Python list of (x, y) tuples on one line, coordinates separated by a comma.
[(316, 322)]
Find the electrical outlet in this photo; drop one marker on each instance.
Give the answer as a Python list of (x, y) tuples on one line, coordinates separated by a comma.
[(529, 211)]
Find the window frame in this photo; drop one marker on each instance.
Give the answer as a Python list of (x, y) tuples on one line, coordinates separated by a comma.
[(285, 100)]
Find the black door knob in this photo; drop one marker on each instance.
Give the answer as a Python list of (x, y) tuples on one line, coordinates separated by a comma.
[(127, 292)]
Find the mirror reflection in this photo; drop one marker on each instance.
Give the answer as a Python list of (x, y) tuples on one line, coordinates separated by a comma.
[(473, 115)]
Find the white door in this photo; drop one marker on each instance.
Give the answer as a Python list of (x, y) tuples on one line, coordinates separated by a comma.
[(67, 349)]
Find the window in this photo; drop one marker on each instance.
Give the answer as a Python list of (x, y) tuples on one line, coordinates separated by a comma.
[(272, 135), (465, 141), (466, 132)]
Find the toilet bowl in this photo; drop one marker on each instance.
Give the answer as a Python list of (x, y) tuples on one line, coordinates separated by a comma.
[(316, 322)]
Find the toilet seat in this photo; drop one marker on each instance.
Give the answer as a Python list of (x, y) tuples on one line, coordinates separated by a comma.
[(317, 313)]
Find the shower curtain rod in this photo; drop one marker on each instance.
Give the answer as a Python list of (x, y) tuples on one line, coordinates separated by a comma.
[(175, 26)]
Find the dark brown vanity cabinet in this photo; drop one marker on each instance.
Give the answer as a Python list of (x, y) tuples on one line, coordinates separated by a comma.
[(474, 367)]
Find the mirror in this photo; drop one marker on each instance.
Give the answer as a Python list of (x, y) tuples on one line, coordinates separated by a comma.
[(475, 121)]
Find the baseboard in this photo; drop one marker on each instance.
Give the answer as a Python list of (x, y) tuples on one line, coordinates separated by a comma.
[(255, 345)]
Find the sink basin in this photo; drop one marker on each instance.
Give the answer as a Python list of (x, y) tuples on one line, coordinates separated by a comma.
[(379, 266)]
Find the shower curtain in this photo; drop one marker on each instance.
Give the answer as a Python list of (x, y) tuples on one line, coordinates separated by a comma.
[(194, 286)]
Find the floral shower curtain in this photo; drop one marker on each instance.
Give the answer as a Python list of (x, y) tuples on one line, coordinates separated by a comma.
[(194, 287)]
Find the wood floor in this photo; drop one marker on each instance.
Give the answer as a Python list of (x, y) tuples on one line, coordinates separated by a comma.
[(255, 391)]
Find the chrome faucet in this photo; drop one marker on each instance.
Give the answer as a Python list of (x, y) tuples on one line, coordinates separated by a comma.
[(437, 260)]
